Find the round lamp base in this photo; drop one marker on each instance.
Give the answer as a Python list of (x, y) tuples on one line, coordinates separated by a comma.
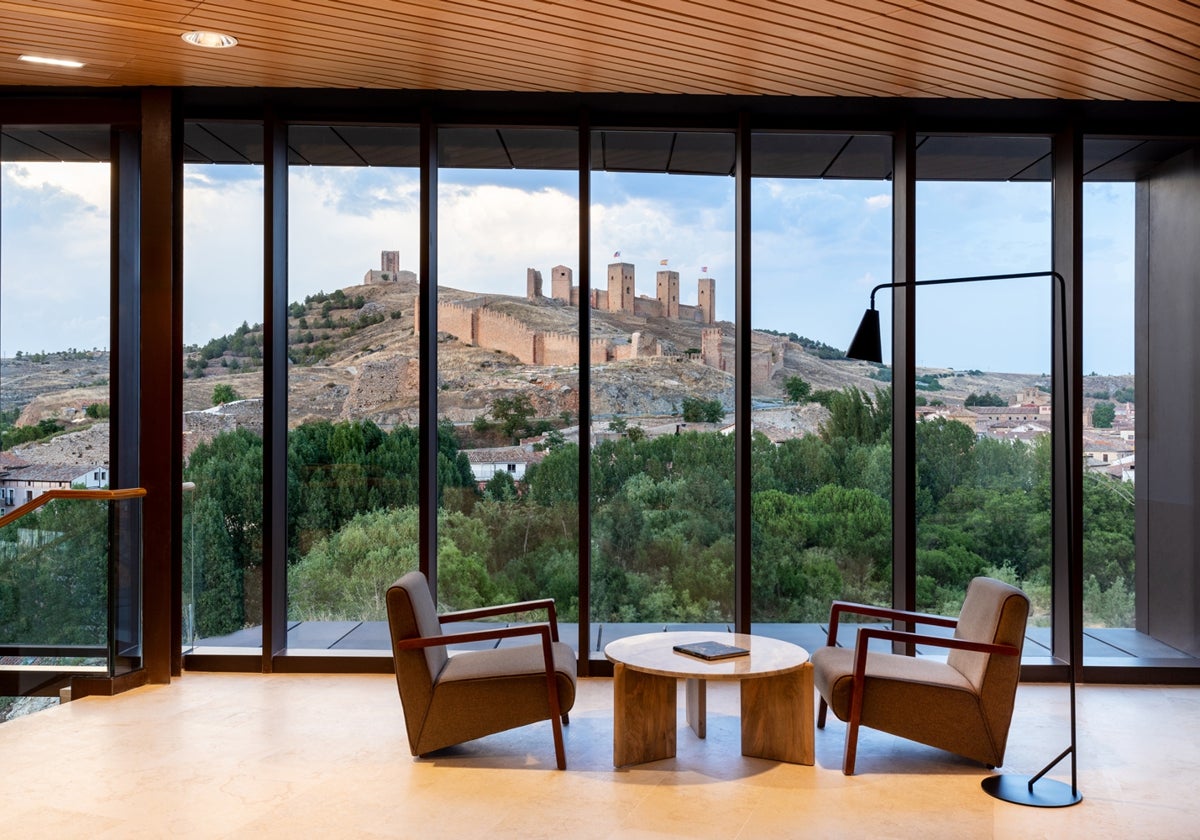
[(1046, 793)]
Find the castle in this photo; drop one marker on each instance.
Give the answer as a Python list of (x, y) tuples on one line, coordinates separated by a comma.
[(619, 295), (471, 322)]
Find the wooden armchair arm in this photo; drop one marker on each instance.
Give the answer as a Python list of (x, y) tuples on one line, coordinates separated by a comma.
[(478, 636), (839, 607), (546, 604)]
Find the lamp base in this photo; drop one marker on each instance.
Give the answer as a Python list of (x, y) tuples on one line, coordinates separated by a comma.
[(1046, 793)]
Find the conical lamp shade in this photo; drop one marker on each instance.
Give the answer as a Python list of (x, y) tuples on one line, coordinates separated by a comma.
[(865, 345)]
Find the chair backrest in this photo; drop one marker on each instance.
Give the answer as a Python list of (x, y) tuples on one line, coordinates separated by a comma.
[(996, 612), (412, 614)]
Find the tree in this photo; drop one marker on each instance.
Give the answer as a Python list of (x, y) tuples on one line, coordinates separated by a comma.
[(697, 410), (1103, 414), (512, 413), (797, 389), (987, 398), (224, 393)]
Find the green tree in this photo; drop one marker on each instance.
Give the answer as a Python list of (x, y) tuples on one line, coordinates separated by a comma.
[(223, 393), (1103, 414), (697, 410), (512, 413), (987, 398), (797, 389)]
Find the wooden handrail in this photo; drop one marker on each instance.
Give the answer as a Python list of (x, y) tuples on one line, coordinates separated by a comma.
[(51, 495)]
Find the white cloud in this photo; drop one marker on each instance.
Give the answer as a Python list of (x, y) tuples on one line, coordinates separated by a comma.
[(878, 202)]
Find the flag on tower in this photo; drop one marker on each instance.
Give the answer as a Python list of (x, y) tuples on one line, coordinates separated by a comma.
[(616, 254), (704, 269), (662, 262)]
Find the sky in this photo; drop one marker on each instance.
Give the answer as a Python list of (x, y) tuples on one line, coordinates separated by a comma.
[(818, 247)]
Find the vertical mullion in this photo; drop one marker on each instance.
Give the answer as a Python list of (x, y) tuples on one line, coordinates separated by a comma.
[(275, 195), (742, 432), (585, 394), (427, 465), (1067, 473), (155, 353), (904, 469)]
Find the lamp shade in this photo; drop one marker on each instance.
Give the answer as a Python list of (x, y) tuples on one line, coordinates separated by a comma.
[(866, 346)]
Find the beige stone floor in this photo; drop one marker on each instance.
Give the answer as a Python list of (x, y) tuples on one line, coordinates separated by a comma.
[(325, 757)]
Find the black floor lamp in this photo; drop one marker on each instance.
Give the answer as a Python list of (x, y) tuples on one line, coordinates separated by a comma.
[(866, 346)]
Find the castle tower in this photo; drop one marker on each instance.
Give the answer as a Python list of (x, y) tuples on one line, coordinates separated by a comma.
[(706, 298), (533, 283), (390, 262), (560, 283), (710, 347), (667, 291), (620, 287)]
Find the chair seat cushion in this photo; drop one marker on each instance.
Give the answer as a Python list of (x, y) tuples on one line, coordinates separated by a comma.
[(511, 660)]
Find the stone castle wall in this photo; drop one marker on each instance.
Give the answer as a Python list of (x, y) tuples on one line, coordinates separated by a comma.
[(505, 333), (458, 320)]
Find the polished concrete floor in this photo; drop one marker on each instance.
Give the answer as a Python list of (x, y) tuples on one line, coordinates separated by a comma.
[(216, 755)]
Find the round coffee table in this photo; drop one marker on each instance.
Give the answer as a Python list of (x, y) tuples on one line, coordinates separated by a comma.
[(776, 686)]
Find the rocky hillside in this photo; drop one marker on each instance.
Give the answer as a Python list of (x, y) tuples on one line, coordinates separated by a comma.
[(354, 355)]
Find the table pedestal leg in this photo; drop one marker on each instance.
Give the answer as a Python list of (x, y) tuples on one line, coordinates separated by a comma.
[(643, 716), (777, 716), (697, 706)]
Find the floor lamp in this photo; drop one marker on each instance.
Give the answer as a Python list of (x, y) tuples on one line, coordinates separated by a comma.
[(866, 346)]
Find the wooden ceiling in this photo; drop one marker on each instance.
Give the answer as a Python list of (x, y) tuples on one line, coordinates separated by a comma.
[(991, 49)]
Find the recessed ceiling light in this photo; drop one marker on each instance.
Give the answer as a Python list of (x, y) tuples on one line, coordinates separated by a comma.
[(213, 40), (55, 62)]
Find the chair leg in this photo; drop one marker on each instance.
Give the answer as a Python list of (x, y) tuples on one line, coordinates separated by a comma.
[(851, 750), (560, 753), (822, 708), (566, 719)]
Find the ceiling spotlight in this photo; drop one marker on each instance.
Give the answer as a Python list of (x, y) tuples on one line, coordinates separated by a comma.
[(212, 40), (54, 62)]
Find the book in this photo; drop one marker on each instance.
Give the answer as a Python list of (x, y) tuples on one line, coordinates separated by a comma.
[(711, 650)]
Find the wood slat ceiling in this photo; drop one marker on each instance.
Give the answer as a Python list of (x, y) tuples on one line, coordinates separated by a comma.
[(1068, 49)]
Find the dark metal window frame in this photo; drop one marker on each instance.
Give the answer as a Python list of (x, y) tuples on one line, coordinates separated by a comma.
[(1065, 123)]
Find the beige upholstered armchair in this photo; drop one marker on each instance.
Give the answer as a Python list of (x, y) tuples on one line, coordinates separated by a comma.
[(451, 699), (963, 705)]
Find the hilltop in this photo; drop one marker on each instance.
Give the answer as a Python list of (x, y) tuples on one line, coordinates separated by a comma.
[(354, 355)]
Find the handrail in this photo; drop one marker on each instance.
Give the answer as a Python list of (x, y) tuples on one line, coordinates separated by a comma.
[(51, 495)]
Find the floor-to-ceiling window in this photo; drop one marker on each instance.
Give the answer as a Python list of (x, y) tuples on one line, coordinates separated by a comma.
[(352, 395), (662, 380), (55, 330), (223, 386), (984, 371), (1139, 535), (821, 495), (508, 353), (661, 354)]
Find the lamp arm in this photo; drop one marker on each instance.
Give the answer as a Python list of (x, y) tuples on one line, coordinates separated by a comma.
[(978, 278)]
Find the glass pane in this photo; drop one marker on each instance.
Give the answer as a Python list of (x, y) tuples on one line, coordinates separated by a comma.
[(984, 373), (822, 473), (352, 380), (222, 389), (508, 369), (662, 383), (1139, 536), (54, 392)]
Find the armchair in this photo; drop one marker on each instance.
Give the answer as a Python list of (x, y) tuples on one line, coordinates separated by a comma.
[(451, 699), (963, 705)]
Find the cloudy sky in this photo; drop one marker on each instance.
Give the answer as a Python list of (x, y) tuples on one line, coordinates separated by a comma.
[(818, 247)]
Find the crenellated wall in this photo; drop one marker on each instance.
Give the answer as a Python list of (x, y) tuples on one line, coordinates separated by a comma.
[(458, 320)]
